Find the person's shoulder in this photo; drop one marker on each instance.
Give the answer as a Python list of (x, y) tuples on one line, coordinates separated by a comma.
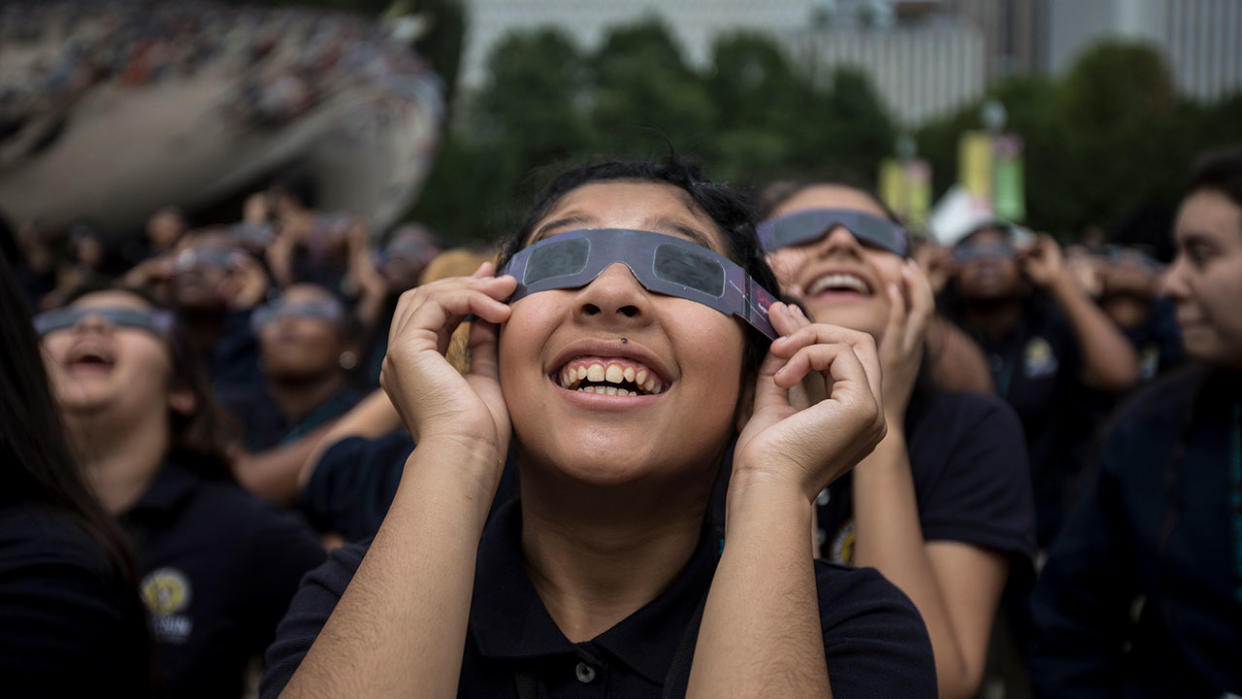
[(31, 535), (849, 590), (874, 638), (963, 410), (1165, 400)]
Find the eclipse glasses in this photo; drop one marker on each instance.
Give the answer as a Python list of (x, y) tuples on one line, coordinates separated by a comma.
[(328, 310), (802, 227), (662, 264), (153, 320)]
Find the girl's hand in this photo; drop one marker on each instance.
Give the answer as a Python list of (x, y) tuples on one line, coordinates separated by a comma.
[(910, 307), (810, 447), (433, 399)]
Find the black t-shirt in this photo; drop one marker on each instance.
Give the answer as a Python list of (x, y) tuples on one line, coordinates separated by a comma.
[(875, 641), (968, 462), (68, 625), (263, 424), (218, 567), (1155, 534), (1036, 368)]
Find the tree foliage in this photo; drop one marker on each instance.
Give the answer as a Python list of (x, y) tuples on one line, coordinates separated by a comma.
[(1109, 139)]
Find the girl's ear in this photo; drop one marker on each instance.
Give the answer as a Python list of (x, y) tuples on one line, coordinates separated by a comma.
[(182, 401)]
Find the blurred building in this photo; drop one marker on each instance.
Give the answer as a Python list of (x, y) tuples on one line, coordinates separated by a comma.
[(920, 72), (924, 57), (1200, 39)]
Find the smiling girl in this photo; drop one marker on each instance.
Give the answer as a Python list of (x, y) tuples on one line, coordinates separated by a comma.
[(943, 504), (632, 365)]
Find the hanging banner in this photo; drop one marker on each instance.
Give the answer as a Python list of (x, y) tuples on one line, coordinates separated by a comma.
[(974, 166), (892, 184), (1009, 194), (918, 176)]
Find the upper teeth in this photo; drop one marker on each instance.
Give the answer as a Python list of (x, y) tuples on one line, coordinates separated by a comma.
[(837, 281), (642, 380)]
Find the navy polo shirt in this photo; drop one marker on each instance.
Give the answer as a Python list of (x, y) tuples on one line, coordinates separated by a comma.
[(875, 642), (968, 462), (69, 625), (263, 424), (356, 479), (218, 567), (1035, 368), (354, 483), (1154, 534)]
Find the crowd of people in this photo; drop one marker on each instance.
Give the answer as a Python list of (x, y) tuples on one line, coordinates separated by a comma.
[(280, 62), (668, 439)]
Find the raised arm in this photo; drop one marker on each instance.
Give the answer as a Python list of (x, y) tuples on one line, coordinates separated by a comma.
[(761, 632), (400, 627), (1108, 361), (955, 586)]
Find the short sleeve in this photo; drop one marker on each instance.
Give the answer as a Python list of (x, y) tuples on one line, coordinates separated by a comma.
[(283, 548), (354, 483), (64, 609), (982, 493), (308, 612), (874, 639)]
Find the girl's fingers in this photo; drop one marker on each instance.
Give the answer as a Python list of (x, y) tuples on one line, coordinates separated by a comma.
[(821, 333), (439, 292)]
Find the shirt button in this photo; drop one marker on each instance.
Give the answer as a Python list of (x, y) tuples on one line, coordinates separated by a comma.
[(823, 497), (586, 673)]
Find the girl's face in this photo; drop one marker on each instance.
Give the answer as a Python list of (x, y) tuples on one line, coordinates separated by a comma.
[(839, 280), (1205, 281), (992, 276), (681, 359), (96, 367), (300, 344)]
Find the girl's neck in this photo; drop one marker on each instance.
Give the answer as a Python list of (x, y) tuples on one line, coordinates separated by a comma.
[(120, 456), (992, 319), (299, 398), (593, 562)]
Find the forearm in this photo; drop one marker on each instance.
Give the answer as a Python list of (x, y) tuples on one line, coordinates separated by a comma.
[(400, 627), (760, 634), (273, 474), (373, 417), (889, 538), (1109, 362)]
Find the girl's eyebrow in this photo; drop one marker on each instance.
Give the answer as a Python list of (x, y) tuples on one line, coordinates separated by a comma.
[(571, 220)]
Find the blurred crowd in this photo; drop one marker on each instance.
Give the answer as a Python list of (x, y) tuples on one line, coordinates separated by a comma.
[(279, 62), (244, 433)]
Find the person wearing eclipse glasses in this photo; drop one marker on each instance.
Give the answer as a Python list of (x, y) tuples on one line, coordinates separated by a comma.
[(1045, 340), (627, 353), (942, 507), (216, 565), (1142, 592)]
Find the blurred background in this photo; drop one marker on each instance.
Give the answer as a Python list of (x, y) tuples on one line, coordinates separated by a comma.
[(1073, 117)]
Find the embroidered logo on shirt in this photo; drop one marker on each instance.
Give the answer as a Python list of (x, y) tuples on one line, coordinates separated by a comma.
[(165, 592), (842, 550), (1038, 359), (1149, 362)]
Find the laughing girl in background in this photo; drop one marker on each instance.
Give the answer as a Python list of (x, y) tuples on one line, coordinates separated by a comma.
[(942, 507)]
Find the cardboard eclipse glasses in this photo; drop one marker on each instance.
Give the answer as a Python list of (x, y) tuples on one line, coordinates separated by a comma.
[(807, 226), (155, 321), (662, 264)]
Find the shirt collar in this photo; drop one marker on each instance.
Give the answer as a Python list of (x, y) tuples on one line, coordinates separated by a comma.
[(172, 485), (508, 619)]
